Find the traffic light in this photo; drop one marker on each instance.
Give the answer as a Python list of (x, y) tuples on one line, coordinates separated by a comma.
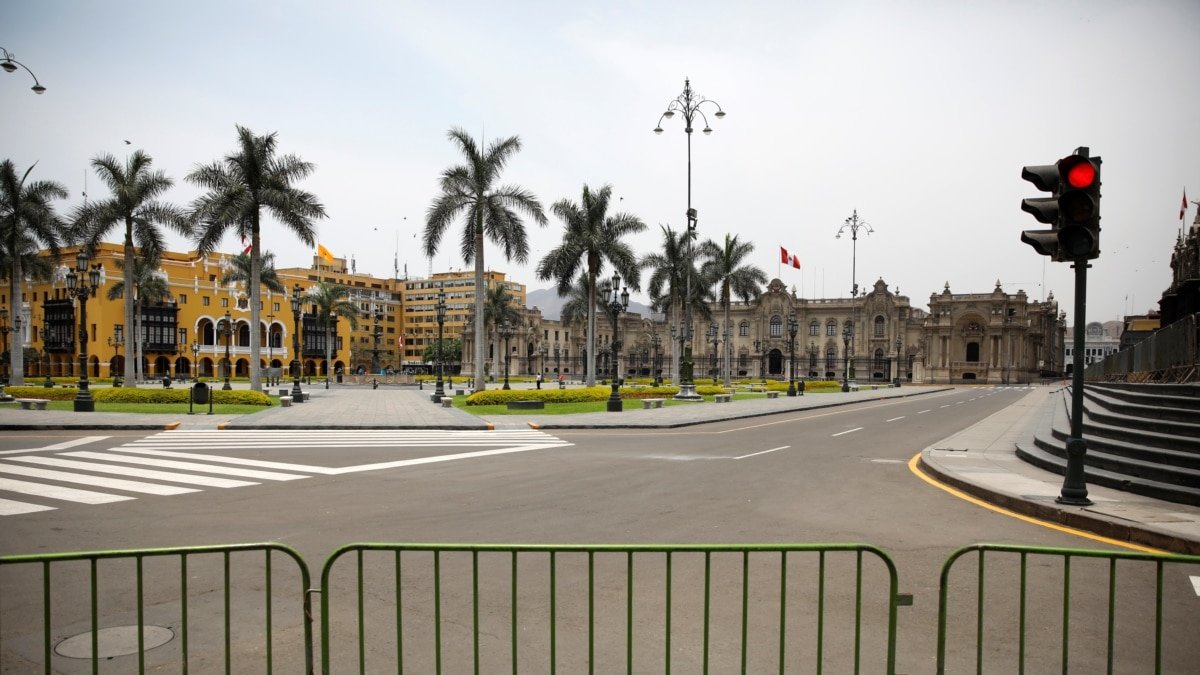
[(1073, 212)]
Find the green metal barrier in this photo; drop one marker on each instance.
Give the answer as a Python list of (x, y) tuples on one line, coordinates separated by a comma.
[(462, 607), (1039, 590), (60, 607)]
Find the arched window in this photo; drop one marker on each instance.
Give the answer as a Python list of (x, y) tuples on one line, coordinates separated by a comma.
[(831, 328), (830, 358), (880, 360), (776, 326), (879, 325), (744, 328), (743, 360), (814, 328), (812, 360)]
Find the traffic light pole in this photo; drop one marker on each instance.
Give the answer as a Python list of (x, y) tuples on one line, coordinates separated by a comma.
[(1074, 489)]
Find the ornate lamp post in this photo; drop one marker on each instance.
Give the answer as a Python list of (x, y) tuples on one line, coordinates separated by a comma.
[(297, 395), (543, 350), (507, 331), (898, 343), (377, 334), (854, 224), (440, 309), (656, 362), (689, 105), (715, 339), (9, 64), (557, 361), (792, 327), (617, 303), (116, 344), (196, 359), (82, 288), (4, 331), (228, 330), (846, 334), (270, 343)]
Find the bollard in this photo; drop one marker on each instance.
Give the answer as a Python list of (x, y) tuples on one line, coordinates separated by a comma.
[(374, 383)]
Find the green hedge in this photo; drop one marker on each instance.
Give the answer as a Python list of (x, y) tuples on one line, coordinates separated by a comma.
[(141, 395), (502, 396)]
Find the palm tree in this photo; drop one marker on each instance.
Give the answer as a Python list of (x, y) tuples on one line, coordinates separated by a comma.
[(470, 190), (27, 222), (331, 300), (590, 237), (668, 286), (725, 266), (133, 205), (148, 286), (499, 308), (241, 269), (240, 186)]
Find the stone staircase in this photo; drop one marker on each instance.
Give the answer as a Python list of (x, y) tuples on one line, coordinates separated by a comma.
[(1141, 438)]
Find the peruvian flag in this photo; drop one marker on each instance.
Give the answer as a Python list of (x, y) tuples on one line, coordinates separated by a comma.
[(788, 259), (1183, 206)]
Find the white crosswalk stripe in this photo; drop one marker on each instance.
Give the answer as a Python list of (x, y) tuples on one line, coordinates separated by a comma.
[(189, 459)]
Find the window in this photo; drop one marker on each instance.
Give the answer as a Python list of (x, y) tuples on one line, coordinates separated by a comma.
[(879, 326), (776, 326), (183, 298), (880, 360), (224, 302), (205, 301), (830, 358), (814, 328), (831, 328), (744, 329)]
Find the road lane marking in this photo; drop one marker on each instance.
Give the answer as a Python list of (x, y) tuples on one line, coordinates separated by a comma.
[(925, 411), (848, 431), (57, 492), (945, 406), (188, 479), (763, 452), (1196, 584), (10, 508), (187, 466), (95, 481), (58, 446), (896, 418), (916, 470)]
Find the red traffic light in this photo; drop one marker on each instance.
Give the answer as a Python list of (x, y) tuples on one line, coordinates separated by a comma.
[(1080, 173)]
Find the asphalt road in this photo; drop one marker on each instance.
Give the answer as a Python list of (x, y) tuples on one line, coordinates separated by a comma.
[(832, 475)]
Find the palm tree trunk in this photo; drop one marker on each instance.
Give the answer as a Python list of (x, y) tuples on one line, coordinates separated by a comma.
[(255, 309), (480, 292), (127, 277), (16, 346), (327, 348), (728, 335), (591, 330), (137, 339)]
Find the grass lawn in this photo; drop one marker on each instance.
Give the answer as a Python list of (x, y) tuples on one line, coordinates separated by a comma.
[(155, 408), (575, 408)]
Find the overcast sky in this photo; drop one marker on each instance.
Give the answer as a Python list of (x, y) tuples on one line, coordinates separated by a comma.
[(919, 115)]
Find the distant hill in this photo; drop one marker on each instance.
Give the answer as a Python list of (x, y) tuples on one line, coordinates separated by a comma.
[(547, 300)]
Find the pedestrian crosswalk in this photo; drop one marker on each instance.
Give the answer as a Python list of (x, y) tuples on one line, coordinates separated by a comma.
[(180, 462)]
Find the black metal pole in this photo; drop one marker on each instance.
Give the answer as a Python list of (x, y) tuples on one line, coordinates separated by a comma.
[(614, 398), (1074, 488), (439, 390), (83, 400)]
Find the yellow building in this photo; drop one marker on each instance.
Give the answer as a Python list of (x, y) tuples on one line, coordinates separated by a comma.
[(419, 299), (181, 335)]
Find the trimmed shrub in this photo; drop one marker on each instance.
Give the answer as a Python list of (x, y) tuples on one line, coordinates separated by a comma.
[(38, 391), (503, 396), (142, 395)]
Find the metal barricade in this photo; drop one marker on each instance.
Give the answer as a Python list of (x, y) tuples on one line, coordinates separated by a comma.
[(1029, 602), (486, 608), (115, 607)]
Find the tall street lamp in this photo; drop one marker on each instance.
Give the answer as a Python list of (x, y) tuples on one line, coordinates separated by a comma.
[(10, 64), (618, 301), (82, 288), (543, 350), (688, 104), (377, 334), (440, 308), (760, 348), (507, 331), (898, 343), (854, 225), (846, 357), (792, 327), (196, 359), (557, 361), (715, 339), (656, 363), (228, 330), (297, 395), (116, 344), (270, 342)]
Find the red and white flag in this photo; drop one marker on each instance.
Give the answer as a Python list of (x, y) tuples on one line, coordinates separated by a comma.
[(783, 255), (1183, 206), (786, 258), (796, 261)]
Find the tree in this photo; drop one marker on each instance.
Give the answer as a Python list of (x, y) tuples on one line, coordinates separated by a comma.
[(499, 308), (489, 210), (332, 300), (668, 286), (148, 286), (590, 237), (240, 186), (725, 267), (241, 270), (133, 205), (28, 223), (450, 350)]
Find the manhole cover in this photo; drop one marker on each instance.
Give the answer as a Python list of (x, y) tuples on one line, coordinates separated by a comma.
[(115, 641)]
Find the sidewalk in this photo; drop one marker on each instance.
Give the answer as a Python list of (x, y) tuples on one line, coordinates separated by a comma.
[(980, 460)]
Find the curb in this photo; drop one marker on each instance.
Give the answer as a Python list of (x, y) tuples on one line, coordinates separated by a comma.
[(1069, 516)]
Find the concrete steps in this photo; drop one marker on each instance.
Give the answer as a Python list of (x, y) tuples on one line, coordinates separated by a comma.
[(1143, 439)]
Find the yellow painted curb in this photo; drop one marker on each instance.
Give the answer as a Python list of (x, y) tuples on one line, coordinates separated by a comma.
[(534, 425), (491, 427), (223, 426), (172, 425)]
